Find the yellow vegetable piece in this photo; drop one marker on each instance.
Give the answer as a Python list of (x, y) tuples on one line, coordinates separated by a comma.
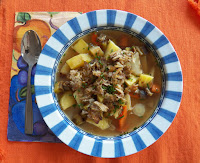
[(96, 50), (100, 98), (103, 124), (112, 47), (57, 88), (78, 60), (81, 46), (132, 80), (67, 100), (65, 69), (145, 80)]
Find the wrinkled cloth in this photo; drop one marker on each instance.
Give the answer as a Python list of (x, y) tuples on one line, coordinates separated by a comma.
[(177, 20)]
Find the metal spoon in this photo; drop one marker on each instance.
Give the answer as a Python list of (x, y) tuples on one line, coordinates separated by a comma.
[(30, 51)]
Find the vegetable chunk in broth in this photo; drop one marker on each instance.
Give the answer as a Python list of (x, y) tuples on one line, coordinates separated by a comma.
[(108, 83)]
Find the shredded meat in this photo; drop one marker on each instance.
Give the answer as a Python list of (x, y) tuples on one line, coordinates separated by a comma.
[(101, 77)]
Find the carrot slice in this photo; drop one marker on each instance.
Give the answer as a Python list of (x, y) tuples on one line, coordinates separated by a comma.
[(134, 95), (94, 38), (155, 88), (122, 118)]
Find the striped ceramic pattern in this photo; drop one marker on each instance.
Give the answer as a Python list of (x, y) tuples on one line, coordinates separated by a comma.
[(64, 129)]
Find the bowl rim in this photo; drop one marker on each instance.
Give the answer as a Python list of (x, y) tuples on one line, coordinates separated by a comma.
[(105, 146)]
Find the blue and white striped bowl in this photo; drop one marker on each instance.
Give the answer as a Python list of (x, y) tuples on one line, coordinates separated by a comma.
[(78, 139)]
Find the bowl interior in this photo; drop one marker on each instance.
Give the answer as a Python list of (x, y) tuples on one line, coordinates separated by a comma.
[(132, 33)]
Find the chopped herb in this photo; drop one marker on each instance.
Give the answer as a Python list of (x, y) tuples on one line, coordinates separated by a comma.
[(121, 117), (101, 82), (111, 50), (135, 128), (115, 70), (94, 87), (111, 89), (79, 90), (104, 87), (88, 48), (106, 69), (70, 95), (148, 86), (84, 85), (120, 101), (102, 75), (74, 105), (60, 61), (80, 105), (141, 116), (75, 96), (64, 54)]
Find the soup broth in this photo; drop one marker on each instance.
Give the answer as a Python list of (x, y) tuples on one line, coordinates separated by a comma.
[(142, 88)]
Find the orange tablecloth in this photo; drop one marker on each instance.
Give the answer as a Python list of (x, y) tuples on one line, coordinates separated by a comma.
[(178, 21)]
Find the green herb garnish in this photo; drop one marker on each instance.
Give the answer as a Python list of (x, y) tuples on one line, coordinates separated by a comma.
[(84, 85), (120, 101), (148, 86), (121, 117), (102, 75)]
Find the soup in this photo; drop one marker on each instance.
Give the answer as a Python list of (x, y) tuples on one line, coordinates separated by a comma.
[(108, 83)]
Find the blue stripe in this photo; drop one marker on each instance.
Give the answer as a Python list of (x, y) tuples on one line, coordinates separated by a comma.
[(176, 96), (42, 70), (58, 35), (119, 149), (160, 42), (170, 58), (41, 90), (75, 25), (76, 141), (139, 144), (166, 114), (175, 76), (148, 27), (92, 17), (130, 19), (59, 128), (97, 148), (155, 132), (111, 15), (47, 50), (48, 109)]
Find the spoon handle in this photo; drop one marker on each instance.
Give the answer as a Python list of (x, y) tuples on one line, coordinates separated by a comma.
[(29, 109)]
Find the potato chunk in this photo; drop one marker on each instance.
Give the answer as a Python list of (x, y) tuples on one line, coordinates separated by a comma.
[(81, 46), (112, 47), (132, 80), (145, 80), (65, 69), (100, 98), (96, 50), (103, 124), (67, 100), (78, 60)]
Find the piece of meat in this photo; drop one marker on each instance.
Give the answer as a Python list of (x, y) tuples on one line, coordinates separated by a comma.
[(102, 38), (95, 115), (148, 92), (101, 106)]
